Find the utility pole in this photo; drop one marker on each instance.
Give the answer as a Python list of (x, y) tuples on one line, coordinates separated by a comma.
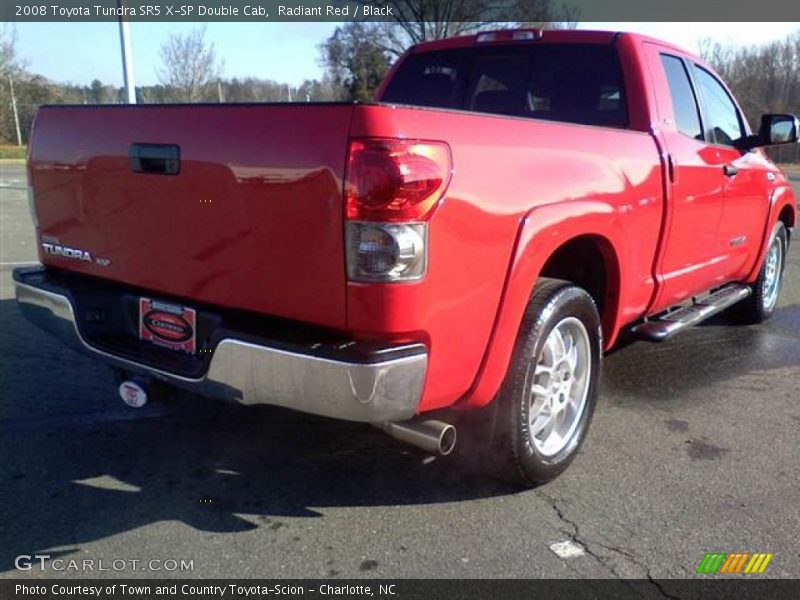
[(289, 92), (219, 92), (127, 55), (14, 108)]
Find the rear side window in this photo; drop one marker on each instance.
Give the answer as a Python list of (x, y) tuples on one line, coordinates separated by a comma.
[(684, 103), (575, 83), (721, 111)]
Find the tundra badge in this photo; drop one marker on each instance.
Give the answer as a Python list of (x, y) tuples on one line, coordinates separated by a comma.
[(74, 253)]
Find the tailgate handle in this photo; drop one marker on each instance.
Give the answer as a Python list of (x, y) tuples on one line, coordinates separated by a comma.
[(162, 159)]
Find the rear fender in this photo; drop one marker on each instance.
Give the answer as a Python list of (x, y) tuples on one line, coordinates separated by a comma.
[(543, 231)]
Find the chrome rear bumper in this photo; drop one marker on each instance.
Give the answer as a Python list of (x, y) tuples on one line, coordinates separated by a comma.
[(375, 391)]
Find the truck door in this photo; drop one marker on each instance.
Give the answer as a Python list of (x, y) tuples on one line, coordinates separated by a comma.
[(688, 261), (745, 183)]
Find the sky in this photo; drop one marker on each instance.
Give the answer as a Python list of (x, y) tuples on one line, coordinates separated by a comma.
[(284, 52)]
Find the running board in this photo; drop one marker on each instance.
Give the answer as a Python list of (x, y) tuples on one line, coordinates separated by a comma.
[(668, 324)]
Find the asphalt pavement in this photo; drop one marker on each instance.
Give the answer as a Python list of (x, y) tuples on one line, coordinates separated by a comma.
[(693, 449)]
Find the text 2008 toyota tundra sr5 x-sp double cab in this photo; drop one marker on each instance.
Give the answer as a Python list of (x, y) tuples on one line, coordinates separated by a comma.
[(460, 252)]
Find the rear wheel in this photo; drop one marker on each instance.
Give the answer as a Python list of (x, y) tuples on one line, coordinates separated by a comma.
[(760, 305), (542, 412)]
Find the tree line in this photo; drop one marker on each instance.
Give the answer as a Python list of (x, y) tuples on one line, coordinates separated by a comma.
[(764, 78), (355, 58), (189, 72)]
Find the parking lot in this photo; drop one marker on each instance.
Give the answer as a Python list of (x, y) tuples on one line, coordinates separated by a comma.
[(694, 449)]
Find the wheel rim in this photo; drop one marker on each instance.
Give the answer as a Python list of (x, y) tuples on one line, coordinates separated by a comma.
[(772, 274), (558, 388)]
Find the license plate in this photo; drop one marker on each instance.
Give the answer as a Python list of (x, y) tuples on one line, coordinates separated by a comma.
[(168, 325)]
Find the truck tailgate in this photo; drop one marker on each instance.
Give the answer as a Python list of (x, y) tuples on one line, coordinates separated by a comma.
[(252, 219)]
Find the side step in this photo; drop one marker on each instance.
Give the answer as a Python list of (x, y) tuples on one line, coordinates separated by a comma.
[(668, 324)]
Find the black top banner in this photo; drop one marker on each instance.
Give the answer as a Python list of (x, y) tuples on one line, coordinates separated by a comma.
[(391, 10)]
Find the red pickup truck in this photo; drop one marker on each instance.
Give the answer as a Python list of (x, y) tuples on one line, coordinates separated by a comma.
[(459, 253)]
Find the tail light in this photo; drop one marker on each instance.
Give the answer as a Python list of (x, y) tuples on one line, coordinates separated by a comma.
[(395, 180), (391, 190)]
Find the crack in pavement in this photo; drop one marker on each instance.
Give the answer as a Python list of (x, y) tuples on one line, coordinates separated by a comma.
[(585, 543)]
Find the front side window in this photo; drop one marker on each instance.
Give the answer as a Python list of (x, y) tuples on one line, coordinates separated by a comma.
[(722, 114)]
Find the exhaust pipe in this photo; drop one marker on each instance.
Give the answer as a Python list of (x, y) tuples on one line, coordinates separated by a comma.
[(432, 436)]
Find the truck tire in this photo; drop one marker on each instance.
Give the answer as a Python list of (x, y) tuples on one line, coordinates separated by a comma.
[(760, 305), (542, 412)]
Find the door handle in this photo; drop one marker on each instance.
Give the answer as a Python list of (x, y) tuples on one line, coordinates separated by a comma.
[(672, 169), (161, 159), (730, 170)]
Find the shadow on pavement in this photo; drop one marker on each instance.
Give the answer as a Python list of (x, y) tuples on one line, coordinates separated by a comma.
[(706, 355), (70, 477)]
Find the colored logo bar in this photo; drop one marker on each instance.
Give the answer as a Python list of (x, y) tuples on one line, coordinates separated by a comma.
[(739, 562)]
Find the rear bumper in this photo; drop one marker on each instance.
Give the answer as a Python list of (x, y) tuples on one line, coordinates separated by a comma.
[(344, 381)]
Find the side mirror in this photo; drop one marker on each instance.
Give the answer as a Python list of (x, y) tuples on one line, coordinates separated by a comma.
[(778, 129)]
